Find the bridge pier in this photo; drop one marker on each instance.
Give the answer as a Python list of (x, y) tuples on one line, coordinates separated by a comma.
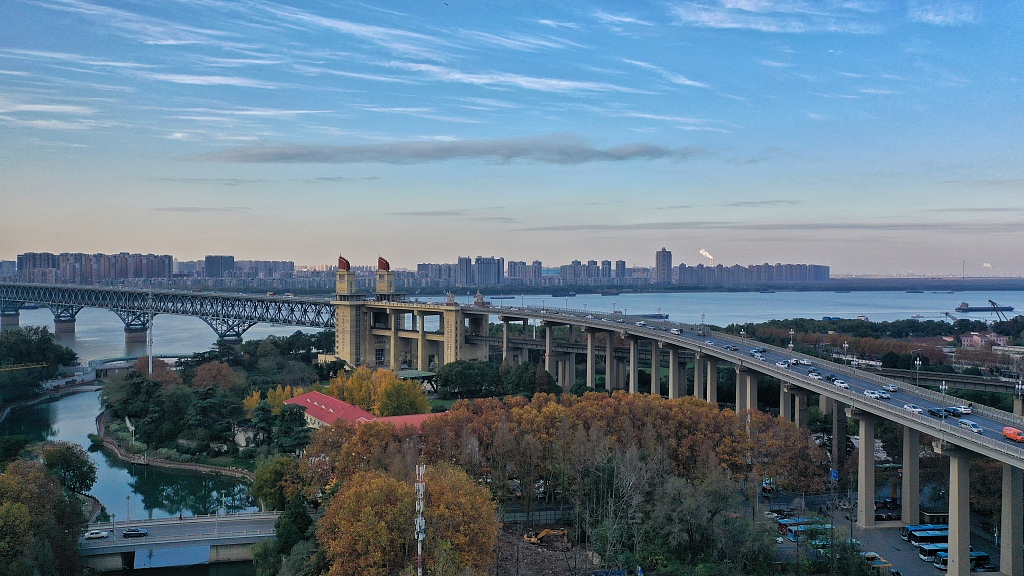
[(64, 326), (712, 381), (746, 389), (591, 360), (10, 320), (865, 469), (655, 369), (634, 370), (1018, 405), (959, 508), (1011, 560), (609, 362), (800, 410), (911, 488), (548, 360), (785, 402), (673, 374), (699, 388), (422, 361), (230, 553), (115, 562), (839, 435), (135, 334)]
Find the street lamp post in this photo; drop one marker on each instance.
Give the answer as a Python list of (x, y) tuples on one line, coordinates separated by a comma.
[(112, 523), (846, 352), (917, 374), (791, 339), (128, 507)]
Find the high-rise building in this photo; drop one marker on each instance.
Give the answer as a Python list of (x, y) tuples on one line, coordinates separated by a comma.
[(606, 269), (663, 267), (219, 266), (489, 271), (620, 268), (464, 272)]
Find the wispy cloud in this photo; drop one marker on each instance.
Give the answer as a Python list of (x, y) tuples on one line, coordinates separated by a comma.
[(758, 203), (49, 124), (508, 79), (851, 226), (619, 19), (556, 24), (879, 91), (562, 149), (774, 64), (942, 12), (199, 80), (8, 107), (522, 42), (419, 112), (72, 58), (202, 209), (777, 16), (446, 212), (671, 77)]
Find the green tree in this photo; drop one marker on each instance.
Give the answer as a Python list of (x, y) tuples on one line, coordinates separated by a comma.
[(292, 434), (401, 397), (275, 482), (466, 379), (71, 465), (263, 423), (291, 526)]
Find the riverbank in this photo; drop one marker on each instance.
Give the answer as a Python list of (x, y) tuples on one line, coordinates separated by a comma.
[(118, 451), (51, 395)]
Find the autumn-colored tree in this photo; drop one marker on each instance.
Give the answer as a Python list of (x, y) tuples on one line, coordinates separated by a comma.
[(217, 375), (461, 512), (316, 466), (365, 530), (357, 388), (250, 402), (276, 482), (401, 397), (163, 372), (277, 396)]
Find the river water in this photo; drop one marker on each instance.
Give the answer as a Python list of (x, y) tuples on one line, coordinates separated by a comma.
[(145, 492)]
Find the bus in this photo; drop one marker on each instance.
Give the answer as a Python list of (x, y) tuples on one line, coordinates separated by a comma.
[(785, 523), (929, 537), (905, 532), (977, 559), (794, 532), (928, 551)]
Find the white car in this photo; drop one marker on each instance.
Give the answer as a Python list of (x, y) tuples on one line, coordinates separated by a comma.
[(92, 534), (805, 362), (783, 365), (675, 331), (913, 408), (871, 394), (890, 388), (965, 409), (883, 394), (972, 426), (815, 375), (842, 384)]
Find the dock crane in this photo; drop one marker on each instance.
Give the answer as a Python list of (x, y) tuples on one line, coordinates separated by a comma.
[(999, 310)]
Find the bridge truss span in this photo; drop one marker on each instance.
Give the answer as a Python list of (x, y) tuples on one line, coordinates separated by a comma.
[(230, 315)]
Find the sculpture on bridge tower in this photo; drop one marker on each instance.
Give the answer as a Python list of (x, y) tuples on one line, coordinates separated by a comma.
[(385, 280), (345, 281)]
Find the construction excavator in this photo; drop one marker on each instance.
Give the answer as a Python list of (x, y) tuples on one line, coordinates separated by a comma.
[(537, 537)]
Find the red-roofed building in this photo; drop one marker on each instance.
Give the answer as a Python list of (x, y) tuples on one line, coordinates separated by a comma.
[(323, 410)]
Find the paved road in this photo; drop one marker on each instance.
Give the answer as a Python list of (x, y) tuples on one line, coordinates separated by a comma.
[(171, 532)]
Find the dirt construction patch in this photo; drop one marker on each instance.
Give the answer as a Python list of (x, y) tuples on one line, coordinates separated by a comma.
[(553, 556)]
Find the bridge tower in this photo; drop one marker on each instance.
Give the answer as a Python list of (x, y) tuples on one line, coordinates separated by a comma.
[(348, 340)]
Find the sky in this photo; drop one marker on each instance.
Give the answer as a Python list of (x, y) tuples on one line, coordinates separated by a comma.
[(873, 136)]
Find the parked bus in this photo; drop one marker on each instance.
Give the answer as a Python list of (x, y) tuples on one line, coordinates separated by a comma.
[(905, 532), (794, 532), (977, 559), (929, 537), (928, 551), (785, 523)]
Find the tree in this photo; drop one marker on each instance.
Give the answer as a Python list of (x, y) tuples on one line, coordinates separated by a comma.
[(401, 397), (162, 371), (292, 434), (276, 481), (291, 526), (365, 530), (462, 513), (30, 345), (71, 465), (217, 375), (466, 379), (263, 423)]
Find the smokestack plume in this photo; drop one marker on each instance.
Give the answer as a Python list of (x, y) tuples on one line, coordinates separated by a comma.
[(705, 254)]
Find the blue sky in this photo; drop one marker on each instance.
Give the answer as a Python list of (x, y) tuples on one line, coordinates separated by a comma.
[(873, 136)]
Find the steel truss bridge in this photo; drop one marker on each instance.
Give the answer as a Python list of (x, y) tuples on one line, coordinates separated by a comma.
[(230, 315)]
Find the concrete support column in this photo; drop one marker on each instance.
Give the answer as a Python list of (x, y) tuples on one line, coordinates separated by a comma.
[(9, 321), (959, 510), (911, 489), (712, 381), (64, 326), (504, 340), (620, 375), (785, 402), (673, 374), (800, 412), (839, 436), (1018, 405), (866, 471), (395, 361), (548, 360), (609, 362), (135, 335), (655, 369), (1011, 557), (826, 404), (570, 372), (422, 362), (699, 388), (634, 359), (591, 361), (741, 392), (749, 388)]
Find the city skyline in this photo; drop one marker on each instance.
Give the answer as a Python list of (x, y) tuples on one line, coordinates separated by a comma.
[(874, 137)]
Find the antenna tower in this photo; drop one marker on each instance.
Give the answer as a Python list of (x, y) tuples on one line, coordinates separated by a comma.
[(421, 527)]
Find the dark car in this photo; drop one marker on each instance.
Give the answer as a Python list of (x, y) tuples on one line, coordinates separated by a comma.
[(954, 411), (937, 412), (135, 533)]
